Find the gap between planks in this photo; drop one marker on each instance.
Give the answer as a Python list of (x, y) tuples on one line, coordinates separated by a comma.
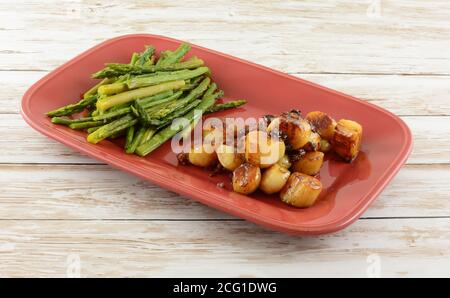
[(425, 74)]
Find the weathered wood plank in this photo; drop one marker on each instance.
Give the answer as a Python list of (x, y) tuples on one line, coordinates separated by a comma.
[(387, 248), (429, 132), (21, 144), (402, 95), (293, 36), (100, 192), (14, 84)]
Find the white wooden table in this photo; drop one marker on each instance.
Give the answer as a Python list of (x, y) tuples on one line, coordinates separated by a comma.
[(64, 214)]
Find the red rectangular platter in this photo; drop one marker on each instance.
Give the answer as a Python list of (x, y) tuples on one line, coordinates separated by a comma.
[(349, 189)]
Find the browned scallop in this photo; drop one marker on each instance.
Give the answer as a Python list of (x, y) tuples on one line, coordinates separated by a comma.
[(301, 190), (202, 156), (292, 129), (246, 178), (261, 150), (310, 163), (347, 139), (274, 178), (322, 123), (229, 158)]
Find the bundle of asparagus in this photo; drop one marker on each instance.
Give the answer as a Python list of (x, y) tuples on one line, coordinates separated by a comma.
[(140, 100)]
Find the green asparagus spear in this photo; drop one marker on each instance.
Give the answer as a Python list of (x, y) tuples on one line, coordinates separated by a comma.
[(134, 58), (191, 63), (142, 81), (198, 91), (87, 124), (210, 92), (166, 100), (138, 93), (212, 88), (175, 56), (92, 129), (119, 133), (134, 111), (163, 55), (74, 108), (113, 88), (136, 140), (68, 121), (165, 134), (227, 105), (111, 128), (179, 108), (192, 83), (93, 90), (130, 135), (149, 132), (113, 114), (144, 114), (176, 114), (118, 69), (147, 100), (178, 54), (145, 56), (197, 80)]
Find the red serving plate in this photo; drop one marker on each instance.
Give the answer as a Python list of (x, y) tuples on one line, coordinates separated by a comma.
[(348, 188)]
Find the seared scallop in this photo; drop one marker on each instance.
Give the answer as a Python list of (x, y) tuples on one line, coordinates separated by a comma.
[(228, 157), (246, 178), (322, 123), (274, 178), (292, 129), (262, 151), (202, 155), (347, 139), (310, 163), (301, 190)]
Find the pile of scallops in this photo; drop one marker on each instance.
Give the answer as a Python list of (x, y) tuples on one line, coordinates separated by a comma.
[(285, 157)]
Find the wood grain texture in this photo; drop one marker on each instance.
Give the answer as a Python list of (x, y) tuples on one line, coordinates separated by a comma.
[(292, 36), (57, 205), (100, 192), (402, 248)]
